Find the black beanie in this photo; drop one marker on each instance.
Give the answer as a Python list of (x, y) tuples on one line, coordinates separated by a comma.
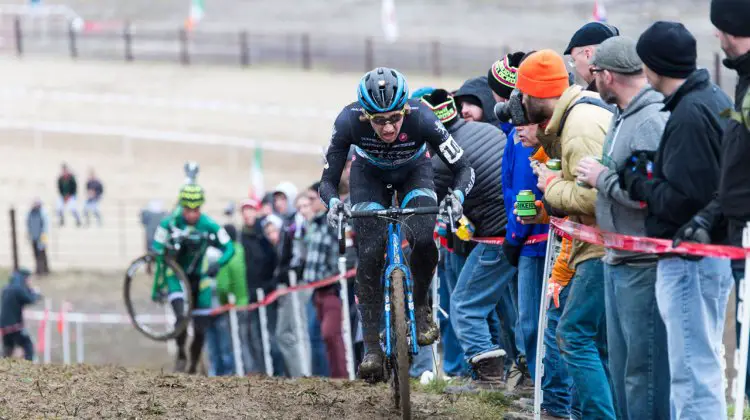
[(668, 49), (442, 104), (731, 16)]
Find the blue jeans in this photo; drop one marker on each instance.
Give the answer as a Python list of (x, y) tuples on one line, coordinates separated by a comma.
[(530, 279), (582, 338), (219, 344), (422, 362), (692, 298), (559, 393), (454, 363), (502, 323), (738, 276), (317, 345), (478, 291), (637, 342)]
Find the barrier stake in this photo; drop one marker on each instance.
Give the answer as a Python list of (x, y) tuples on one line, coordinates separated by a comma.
[(264, 333), (743, 317), (65, 333), (298, 331), (550, 256), (436, 360), (47, 333), (79, 341), (346, 322), (239, 369)]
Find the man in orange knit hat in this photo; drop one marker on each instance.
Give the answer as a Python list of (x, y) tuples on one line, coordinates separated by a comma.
[(572, 125)]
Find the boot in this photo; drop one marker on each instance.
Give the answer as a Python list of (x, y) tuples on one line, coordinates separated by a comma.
[(371, 369), (518, 382), (488, 371), (180, 364), (427, 330)]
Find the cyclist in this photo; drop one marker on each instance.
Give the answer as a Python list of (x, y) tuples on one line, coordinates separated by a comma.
[(390, 135), (191, 226)]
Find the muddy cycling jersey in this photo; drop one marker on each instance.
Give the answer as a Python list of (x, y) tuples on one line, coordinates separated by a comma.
[(420, 128)]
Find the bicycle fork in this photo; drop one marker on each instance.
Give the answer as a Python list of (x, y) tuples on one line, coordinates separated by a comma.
[(395, 258)]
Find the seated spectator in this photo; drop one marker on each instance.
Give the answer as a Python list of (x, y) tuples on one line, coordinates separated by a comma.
[(67, 187), (94, 191), (18, 293), (37, 225)]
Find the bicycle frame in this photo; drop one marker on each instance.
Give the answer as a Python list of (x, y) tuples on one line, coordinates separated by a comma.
[(395, 260)]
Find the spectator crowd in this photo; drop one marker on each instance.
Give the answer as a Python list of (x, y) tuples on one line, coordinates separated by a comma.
[(645, 145)]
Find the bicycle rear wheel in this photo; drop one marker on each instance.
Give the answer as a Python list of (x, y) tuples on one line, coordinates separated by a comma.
[(148, 315), (400, 355)]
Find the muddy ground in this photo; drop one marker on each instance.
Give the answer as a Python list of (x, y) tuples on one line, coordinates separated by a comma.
[(87, 392)]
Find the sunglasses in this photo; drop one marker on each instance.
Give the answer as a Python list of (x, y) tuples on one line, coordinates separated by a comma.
[(594, 70), (393, 119)]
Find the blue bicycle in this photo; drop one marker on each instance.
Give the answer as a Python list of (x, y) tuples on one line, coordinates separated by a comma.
[(399, 342)]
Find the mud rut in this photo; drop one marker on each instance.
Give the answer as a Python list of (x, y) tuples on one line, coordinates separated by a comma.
[(54, 391)]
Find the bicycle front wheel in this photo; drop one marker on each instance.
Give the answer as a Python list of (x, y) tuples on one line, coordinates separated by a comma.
[(400, 357), (151, 291)]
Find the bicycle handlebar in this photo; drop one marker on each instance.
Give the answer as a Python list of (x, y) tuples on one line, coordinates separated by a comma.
[(394, 212)]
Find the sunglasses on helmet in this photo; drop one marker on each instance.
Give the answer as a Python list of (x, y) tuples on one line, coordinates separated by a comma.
[(380, 120)]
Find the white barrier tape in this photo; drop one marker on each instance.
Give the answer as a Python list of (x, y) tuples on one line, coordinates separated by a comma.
[(94, 318), (169, 103), (209, 139)]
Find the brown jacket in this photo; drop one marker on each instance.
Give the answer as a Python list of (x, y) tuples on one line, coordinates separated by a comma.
[(582, 135)]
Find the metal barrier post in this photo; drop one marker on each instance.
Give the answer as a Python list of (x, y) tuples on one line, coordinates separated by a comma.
[(239, 369), (437, 361), (264, 333), (550, 256), (72, 44), (19, 36), (244, 49), (298, 328), (14, 238), (47, 332), (743, 317), (127, 37), (346, 330), (65, 333), (184, 53), (79, 341)]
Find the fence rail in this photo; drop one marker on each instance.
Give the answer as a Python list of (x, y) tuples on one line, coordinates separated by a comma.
[(130, 42)]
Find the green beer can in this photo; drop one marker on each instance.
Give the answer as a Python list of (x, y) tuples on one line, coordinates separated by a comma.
[(554, 165), (525, 204)]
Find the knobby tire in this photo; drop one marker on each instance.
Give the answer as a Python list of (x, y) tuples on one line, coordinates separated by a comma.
[(180, 274), (400, 374)]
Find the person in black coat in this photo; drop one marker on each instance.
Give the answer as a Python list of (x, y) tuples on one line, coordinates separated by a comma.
[(17, 294), (691, 292)]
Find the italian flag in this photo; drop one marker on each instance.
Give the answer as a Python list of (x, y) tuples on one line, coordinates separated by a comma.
[(197, 9)]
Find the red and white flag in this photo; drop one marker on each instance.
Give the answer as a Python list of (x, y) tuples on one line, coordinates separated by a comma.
[(600, 13)]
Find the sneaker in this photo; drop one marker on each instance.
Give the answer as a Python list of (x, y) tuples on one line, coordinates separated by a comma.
[(371, 368), (180, 364), (488, 372), (427, 330)]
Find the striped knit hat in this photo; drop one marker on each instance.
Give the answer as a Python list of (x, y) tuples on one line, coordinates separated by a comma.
[(443, 105), (503, 74)]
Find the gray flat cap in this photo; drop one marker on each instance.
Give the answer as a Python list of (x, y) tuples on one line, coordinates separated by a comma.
[(617, 54)]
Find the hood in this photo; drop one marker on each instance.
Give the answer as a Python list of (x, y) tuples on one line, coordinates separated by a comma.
[(18, 278), (695, 81), (647, 96), (479, 88), (741, 64)]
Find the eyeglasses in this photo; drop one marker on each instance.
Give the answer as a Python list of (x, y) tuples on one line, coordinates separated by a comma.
[(379, 120), (594, 70), (572, 61)]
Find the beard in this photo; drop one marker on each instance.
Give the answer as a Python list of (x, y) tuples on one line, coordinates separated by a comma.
[(535, 111), (606, 94)]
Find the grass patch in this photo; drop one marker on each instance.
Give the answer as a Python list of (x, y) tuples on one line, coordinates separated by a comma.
[(483, 405), (745, 415)]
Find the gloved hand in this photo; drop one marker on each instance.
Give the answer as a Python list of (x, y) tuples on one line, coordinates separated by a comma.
[(698, 230), (452, 200), (213, 269), (512, 253), (337, 206), (633, 176), (553, 291)]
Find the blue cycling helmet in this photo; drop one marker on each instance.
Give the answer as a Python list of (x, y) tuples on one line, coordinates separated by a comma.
[(382, 90)]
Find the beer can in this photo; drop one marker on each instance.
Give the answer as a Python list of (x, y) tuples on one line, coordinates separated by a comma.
[(525, 204), (554, 165), (583, 184)]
